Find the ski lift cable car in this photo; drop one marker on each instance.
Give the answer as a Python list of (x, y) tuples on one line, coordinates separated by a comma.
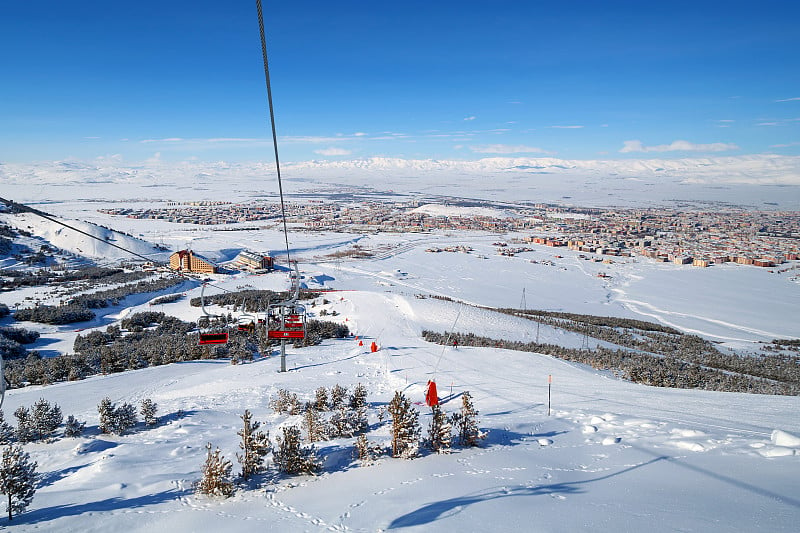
[(287, 319), (209, 337)]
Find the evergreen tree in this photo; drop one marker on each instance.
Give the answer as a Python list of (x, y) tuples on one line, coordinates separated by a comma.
[(106, 411), (440, 432), (124, 418), (466, 423), (366, 452), (6, 430), (73, 427), (316, 428), (46, 418), (148, 410), (338, 396), (25, 430), (17, 479), (255, 446), (359, 397), (291, 457), (321, 399), (405, 427), (216, 475)]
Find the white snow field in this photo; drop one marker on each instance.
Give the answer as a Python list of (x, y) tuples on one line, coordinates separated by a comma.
[(612, 456)]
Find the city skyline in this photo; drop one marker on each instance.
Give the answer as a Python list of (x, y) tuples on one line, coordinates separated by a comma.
[(612, 80)]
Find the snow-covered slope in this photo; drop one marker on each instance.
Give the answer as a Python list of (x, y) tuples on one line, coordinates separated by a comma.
[(101, 246), (610, 456)]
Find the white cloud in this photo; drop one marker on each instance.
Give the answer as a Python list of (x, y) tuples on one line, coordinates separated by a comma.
[(332, 151), (789, 99), (767, 124), (567, 127), (359, 134), (233, 140), (786, 145), (311, 139), (506, 149), (677, 146), (469, 118), (167, 140)]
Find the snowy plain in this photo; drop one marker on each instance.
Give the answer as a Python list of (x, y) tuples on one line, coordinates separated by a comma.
[(611, 455)]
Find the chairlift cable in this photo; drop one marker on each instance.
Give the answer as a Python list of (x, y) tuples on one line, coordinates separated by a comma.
[(447, 340), (22, 207), (272, 123)]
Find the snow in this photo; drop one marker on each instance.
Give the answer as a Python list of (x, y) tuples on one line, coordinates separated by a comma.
[(611, 455)]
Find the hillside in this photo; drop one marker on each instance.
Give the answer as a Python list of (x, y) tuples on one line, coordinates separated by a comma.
[(612, 455)]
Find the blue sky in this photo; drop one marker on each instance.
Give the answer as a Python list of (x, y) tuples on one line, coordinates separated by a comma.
[(445, 80)]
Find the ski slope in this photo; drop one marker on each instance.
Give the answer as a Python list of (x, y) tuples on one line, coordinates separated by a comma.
[(611, 456)]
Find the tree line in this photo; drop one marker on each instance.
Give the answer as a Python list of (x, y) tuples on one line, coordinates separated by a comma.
[(650, 369), (149, 339)]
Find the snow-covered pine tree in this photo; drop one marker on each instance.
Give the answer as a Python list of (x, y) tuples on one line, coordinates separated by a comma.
[(291, 457), (321, 399), (255, 446), (25, 431), (17, 479), (467, 424), (106, 411), (340, 423), (46, 418), (73, 427), (316, 427), (338, 396), (148, 409), (440, 432), (216, 475), (405, 427), (123, 418), (359, 397), (367, 452), (6, 430), (360, 422)]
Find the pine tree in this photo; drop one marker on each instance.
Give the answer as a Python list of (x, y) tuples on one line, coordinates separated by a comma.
[(321, 399), (255, 446), (405, 427), (366, 452), (291, 457), (216, 475), (316, 428), (122, 419), (46, 418), (359, 397), (148, 410), (25, 431), (440, 432), (73, 427), (6, 430), (17, 479), (466, 423), (338, 395), (106, 411)]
